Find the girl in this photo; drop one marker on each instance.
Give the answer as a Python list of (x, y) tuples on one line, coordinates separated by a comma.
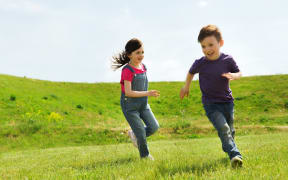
[(134, 96)]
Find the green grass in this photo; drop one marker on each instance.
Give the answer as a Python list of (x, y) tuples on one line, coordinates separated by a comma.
[(43, 114), (61, 130), (265, 157)]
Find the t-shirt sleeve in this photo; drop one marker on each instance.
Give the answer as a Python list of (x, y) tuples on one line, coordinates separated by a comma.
[(127, 75), (195, 68), (233, 66)]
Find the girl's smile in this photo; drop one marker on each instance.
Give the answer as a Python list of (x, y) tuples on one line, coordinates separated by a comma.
[(136, 57)]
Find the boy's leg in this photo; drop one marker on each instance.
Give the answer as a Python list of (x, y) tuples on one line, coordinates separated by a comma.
[(229, 115), (217, 118), (150, 121)]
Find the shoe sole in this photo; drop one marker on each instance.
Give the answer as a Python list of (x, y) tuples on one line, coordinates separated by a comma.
[(236, 162)]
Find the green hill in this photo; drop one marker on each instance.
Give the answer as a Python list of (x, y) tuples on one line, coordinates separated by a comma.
[(36, 113)]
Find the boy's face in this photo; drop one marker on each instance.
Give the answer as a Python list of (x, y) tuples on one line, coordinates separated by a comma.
[(211, 47)]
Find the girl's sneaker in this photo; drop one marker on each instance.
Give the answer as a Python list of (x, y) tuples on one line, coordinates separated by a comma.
[(133, 138)]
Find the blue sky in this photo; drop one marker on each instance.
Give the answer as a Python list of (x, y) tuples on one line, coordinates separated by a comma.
[(69, 40)]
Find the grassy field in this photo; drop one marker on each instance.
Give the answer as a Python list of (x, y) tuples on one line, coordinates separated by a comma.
[(43, 114), (61, 130), (265, 157)]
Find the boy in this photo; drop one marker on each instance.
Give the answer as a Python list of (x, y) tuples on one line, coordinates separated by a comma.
[(215, 70)]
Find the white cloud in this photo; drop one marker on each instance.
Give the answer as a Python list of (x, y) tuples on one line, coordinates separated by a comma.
[(20, 5), (126, 11), (202, 4)]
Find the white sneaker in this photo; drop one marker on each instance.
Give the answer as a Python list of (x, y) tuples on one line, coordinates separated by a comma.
[(150, 157), (133, 138), (236, 162)]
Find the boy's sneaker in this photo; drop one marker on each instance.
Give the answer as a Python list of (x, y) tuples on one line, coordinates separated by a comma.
[(236, 162), (133, 138), (149, 157)]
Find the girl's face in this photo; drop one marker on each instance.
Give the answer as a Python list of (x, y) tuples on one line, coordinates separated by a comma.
[(137, 56), (211, 47)]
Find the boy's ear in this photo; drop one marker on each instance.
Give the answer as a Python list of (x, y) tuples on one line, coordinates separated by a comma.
[(221, 42)]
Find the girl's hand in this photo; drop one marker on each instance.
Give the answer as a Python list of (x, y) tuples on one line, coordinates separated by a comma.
[(154, 93), (184, 92)]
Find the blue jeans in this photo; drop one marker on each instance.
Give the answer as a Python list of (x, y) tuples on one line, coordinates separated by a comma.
[(221, 116), (137, 111)]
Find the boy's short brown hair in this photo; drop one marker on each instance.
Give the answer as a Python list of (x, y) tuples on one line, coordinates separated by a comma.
[(209, 30)]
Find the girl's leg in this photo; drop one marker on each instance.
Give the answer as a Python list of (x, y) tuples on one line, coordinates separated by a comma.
[(133, 118), (150, 121), (138, 128)]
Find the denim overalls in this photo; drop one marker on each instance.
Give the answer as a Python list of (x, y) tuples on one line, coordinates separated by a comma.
[(137, 109)]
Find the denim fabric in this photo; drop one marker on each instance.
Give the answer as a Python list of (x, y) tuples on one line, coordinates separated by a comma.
[(137, 111), (221, 116)]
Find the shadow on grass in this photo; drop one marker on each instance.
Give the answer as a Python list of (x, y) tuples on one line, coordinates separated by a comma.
[(197, 169), (97, 164)]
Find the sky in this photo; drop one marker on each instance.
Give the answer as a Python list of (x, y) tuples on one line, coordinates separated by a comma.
[(74, 41)]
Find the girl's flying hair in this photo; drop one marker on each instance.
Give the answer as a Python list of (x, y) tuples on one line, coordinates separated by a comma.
[(122, 58)]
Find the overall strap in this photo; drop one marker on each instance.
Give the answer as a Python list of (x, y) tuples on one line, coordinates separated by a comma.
[(144, 67), (129, 67)]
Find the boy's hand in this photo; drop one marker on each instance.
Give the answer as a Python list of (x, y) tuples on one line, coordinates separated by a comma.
[(184, 92), (154, 93), (229, 76)]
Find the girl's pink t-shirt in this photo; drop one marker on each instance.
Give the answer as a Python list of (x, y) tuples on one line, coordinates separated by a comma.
[(128, 75)]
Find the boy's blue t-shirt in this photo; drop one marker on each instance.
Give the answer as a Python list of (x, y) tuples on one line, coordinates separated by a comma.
[(214, 87)]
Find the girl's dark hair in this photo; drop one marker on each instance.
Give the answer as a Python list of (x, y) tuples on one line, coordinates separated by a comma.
[(209, 30), (122, 58)]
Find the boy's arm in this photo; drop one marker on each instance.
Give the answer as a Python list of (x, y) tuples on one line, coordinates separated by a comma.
[(232, 76), (185, 89)]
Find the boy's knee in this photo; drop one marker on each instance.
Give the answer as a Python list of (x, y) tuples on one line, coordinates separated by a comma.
[(154, 128), (225, 129)]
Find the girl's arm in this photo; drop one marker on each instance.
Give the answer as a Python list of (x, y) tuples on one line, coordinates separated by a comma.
[(185, 89), (130, 93)]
